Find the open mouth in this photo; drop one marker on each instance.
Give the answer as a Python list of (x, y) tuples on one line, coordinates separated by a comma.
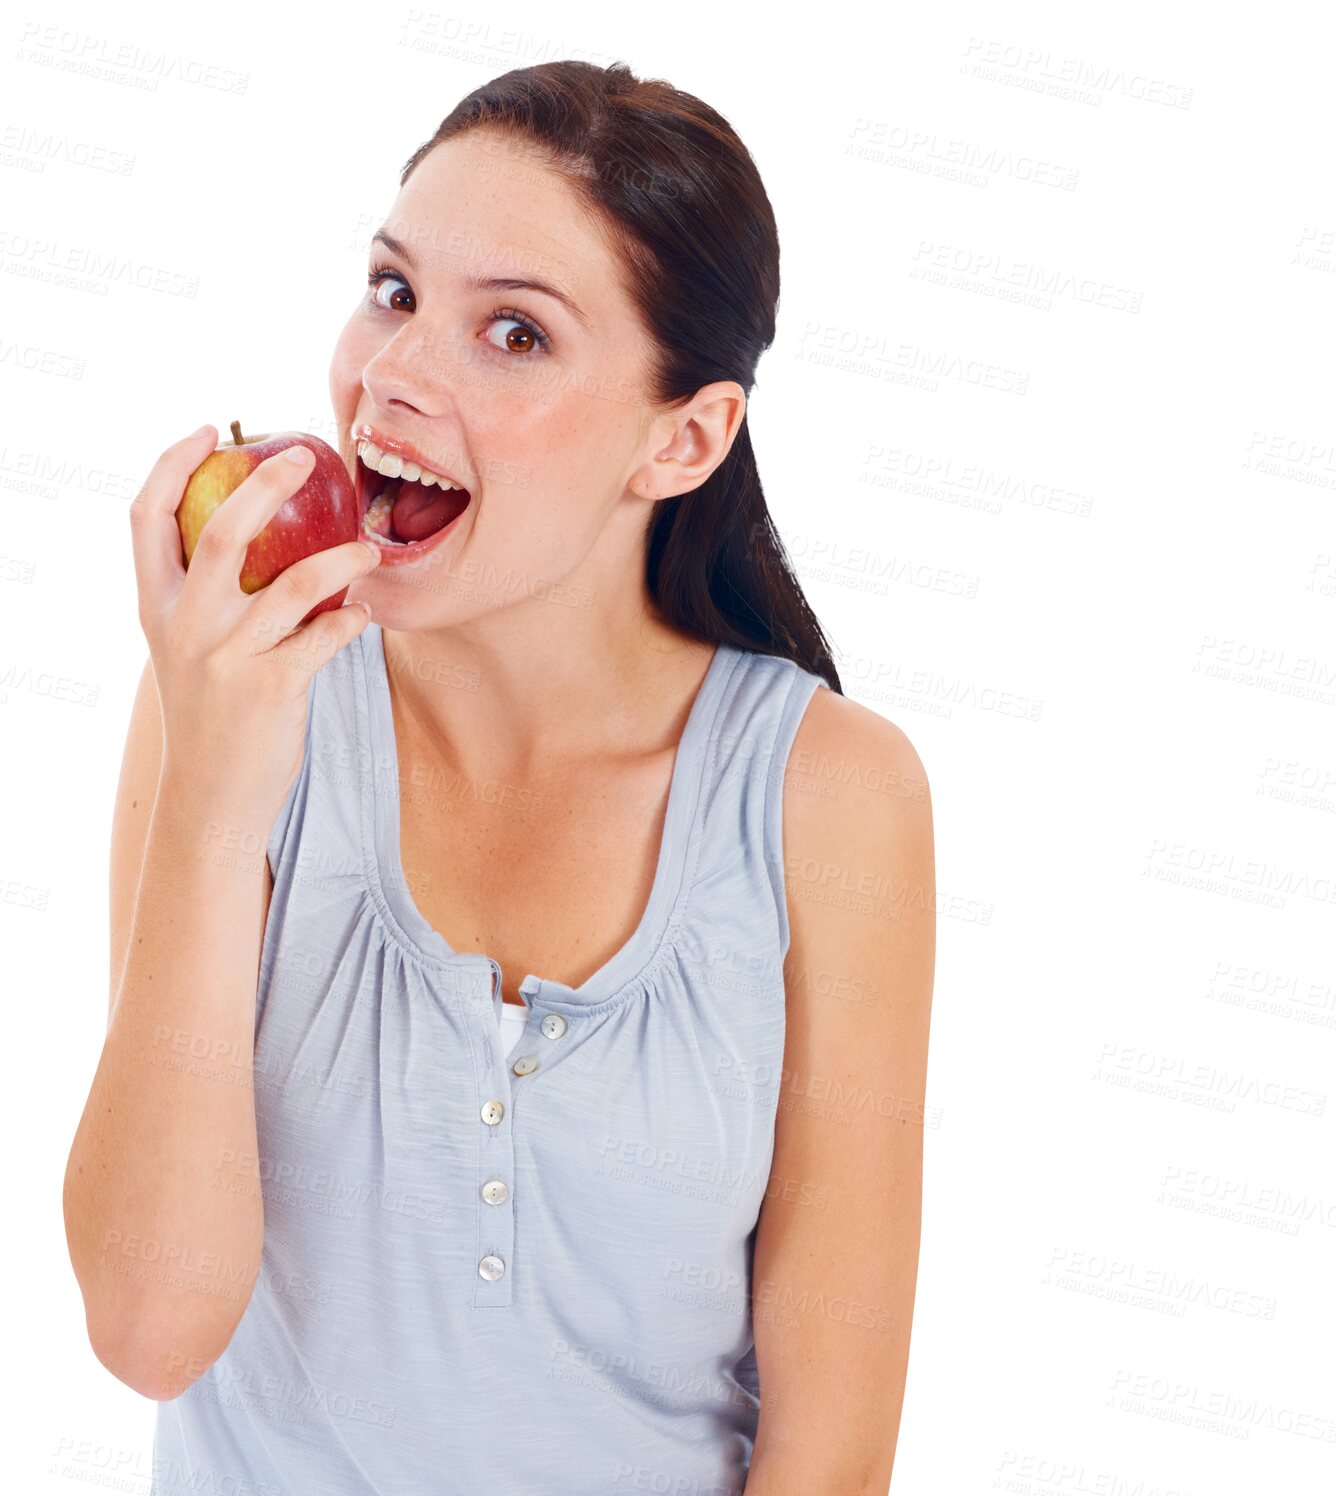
[(405, 512)]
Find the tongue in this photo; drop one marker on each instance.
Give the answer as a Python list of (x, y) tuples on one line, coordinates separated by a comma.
[(419, 512)]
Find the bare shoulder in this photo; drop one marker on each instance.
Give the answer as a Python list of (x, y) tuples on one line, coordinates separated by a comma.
[(859, 867), (853, 779)]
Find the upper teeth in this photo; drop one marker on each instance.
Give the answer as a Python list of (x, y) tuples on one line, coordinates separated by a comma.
[(391, 465)]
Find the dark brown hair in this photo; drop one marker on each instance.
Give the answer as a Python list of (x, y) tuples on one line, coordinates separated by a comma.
[(681, 198)]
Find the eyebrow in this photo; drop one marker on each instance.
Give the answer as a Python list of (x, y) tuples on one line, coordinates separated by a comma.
[(490, 283)]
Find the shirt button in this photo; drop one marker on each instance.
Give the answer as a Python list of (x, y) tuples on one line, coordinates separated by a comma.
[(492, 1112), (495, 1191), (525, 1065), (491, 1267), (553, 1026)]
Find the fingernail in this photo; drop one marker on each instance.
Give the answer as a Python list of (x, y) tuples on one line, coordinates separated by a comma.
[(207, 426), (298, 454), (373, 548)]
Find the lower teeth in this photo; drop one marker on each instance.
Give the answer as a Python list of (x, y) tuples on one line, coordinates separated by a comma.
[(378, 521), (380, 511)]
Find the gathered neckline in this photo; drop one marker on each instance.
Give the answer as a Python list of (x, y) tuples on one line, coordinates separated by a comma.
[(381, 782)]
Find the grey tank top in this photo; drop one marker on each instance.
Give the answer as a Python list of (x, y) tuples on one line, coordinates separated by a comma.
[(461, 1243)]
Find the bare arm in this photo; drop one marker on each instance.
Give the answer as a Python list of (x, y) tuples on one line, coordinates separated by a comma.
[(141, 768), (163, 1211), (837, 1246)]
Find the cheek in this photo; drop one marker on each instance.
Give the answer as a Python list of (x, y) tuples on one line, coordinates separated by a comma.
[(514, 441), (558, 509), (556, 437), (545, 481), (356, 346), (344, 372), (558, 463)]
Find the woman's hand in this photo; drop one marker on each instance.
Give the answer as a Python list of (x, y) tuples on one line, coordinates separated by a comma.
[(233, 668)]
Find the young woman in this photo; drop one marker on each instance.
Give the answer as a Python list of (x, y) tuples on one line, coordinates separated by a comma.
[(587, 774)]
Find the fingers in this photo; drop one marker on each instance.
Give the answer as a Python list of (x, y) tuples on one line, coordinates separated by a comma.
[(159, 564), (317, 642), (278, 609), (220, 550)]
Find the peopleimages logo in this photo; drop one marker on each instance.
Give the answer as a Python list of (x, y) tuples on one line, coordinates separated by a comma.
[(98, 56), (79, 267)]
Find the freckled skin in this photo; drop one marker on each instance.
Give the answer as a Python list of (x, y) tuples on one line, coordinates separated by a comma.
[(560, 449), (524, 649), (549, 443)]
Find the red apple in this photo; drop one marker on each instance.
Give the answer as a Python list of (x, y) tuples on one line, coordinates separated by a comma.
[(323, 512)]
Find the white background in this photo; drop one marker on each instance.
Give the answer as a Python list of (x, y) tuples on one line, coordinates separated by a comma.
[(1048, 430)]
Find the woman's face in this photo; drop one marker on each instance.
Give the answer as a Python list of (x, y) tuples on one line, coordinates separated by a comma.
[(532, 400)]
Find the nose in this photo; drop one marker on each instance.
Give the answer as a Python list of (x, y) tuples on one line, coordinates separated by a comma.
[(406, 374)]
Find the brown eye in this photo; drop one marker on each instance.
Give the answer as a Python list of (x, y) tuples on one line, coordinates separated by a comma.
[(522, 338), (377, 280)]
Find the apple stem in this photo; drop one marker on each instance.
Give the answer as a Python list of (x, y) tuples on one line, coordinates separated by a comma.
[(236, 434)]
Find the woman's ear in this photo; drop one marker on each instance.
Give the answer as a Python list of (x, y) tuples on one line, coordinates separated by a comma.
[(687, 446)]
